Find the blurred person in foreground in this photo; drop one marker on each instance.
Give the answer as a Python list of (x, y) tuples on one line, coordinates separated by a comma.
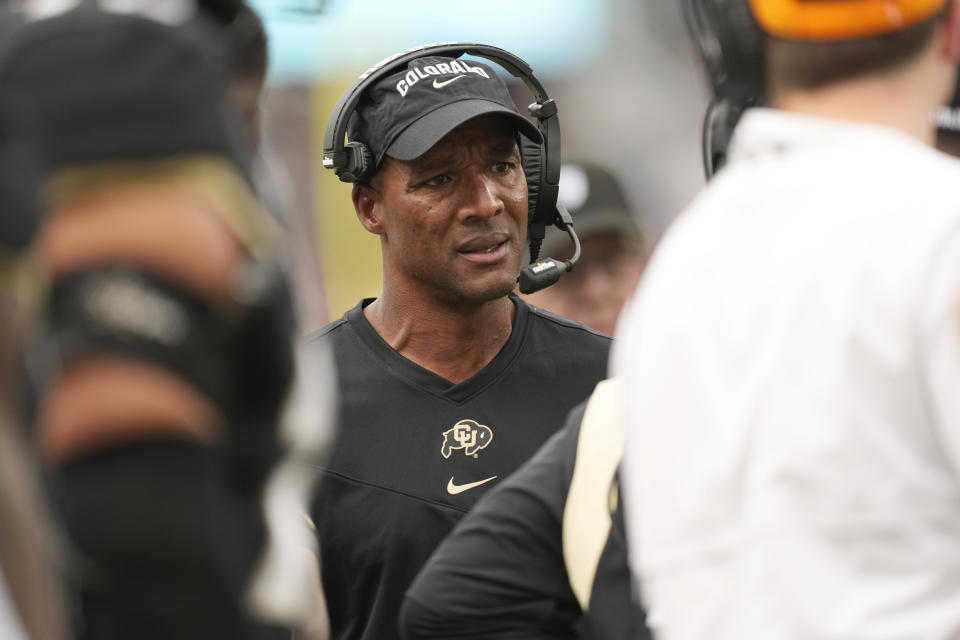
[(612, 244), (448, 381), (168, 346), (543, 556), (792, 357)]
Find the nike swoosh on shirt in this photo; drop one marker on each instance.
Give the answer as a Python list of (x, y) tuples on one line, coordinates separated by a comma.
[(441, 85), (454, 489)]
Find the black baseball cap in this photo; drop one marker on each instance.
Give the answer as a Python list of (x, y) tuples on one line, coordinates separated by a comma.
[(594, 197), (108, 86), (406, 113)]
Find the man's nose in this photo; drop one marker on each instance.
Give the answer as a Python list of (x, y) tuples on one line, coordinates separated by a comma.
[(480, 197)]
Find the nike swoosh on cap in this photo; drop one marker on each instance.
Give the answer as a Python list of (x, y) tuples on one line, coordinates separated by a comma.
[(454, 489), (441, 85)]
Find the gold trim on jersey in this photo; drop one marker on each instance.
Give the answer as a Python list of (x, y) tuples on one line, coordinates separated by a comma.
[(587, 513)]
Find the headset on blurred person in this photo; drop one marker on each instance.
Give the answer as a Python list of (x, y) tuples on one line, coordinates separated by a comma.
[(730, 37), (729, 41)]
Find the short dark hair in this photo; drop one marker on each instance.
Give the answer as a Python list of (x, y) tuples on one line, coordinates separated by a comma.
[(244, 34), (795, 64)]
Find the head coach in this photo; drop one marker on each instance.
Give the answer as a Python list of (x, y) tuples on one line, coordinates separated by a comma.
[(448, 381), (792, 358)]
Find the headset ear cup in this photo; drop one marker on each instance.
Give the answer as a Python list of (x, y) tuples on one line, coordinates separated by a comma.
[(746, 64), (359, 164), (531, 154), (731, 45)]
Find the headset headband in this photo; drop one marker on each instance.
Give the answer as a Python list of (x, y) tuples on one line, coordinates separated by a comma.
[(335, 156), (730, 45)]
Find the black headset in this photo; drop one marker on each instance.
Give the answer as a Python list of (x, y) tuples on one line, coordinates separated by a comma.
[(731, 45), (353, 162)]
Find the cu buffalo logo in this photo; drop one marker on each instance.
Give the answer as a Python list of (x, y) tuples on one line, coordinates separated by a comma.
[(468, 435)]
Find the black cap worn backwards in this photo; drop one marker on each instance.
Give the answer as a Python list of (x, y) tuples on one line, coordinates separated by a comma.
[(594, 197), (108, 86), (408, 112)]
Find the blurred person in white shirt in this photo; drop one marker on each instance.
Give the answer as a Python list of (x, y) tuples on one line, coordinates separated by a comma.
[(792, 357)]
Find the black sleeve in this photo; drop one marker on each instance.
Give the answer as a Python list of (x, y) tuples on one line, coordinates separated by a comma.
[(161, 544), (501, 573), (614, 611)]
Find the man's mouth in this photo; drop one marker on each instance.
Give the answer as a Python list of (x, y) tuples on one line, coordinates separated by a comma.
[(489, 249), (485, 249)]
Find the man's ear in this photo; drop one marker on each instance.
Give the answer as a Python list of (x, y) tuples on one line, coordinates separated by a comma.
[(367, 205)]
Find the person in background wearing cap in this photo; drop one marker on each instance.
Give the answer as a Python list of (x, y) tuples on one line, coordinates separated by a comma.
[(448, 381), (168, 332), (791, 359), (613, 251)]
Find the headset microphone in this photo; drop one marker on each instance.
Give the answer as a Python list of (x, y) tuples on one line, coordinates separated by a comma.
[(543, 273)]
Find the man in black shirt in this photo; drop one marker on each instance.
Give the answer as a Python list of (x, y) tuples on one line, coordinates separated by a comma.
[(448, 381), (543, 556)]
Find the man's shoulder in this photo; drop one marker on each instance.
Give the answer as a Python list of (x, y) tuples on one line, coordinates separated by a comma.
[(559, 344), (335, 329), (548, 320), (838, 152), (326, 332), (822, 172)]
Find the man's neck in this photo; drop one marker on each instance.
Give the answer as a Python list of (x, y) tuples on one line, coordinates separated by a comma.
[(895, 101), (453, 341)]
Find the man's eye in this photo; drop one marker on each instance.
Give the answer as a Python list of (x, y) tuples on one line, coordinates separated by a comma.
[(502, 167), (438, 181)]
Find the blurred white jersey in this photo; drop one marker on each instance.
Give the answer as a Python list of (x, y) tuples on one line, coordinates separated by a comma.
[(792, 378)]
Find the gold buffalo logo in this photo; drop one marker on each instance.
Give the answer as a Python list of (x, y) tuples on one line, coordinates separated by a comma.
[(468, 435)]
